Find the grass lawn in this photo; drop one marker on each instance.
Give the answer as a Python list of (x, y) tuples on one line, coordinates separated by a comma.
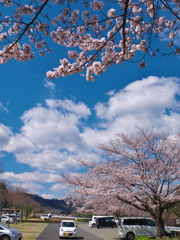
[(170, 238), (30, 231), (164, 238)]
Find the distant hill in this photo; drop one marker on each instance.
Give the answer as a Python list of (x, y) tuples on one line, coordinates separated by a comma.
[(58, 204)]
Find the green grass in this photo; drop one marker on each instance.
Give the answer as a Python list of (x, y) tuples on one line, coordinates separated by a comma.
[(82, 220), (30, 231), (142, 238), (164, 238), (171, 238)]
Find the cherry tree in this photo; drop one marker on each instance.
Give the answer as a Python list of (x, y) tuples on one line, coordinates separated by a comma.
[(138, 171), (97, 34)]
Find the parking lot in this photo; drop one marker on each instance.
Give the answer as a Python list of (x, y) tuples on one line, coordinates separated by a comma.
[(83, 232), (103, 233)]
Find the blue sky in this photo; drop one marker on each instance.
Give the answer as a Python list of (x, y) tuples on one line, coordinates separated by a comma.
[(45, 124)]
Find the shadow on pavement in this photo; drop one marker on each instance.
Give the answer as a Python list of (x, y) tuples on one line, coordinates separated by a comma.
[(74, 238)]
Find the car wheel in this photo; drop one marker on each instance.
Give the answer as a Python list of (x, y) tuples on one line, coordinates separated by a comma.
[(130, 236), (7, 222), (93, 225), (5, 237)]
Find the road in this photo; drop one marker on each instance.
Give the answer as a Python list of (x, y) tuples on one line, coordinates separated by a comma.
[(51, 232)]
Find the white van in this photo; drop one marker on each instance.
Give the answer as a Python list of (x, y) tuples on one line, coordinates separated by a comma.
[(131, 227)]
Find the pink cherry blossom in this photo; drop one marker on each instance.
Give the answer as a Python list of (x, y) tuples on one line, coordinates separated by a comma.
[(104, 32)]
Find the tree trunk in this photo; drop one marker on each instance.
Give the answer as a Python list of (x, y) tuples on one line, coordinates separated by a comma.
[(160, 226)]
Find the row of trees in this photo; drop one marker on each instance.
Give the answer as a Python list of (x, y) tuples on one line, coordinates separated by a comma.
[(100, 33), (138, 174), (15, 199)]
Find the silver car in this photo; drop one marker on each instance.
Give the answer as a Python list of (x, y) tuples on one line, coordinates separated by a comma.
[(7, 219), (132, 227), (7, 233)]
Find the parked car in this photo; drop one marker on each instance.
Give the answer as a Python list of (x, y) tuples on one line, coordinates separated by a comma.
[(67, 229), (18, 216), (131, 227), (6, 219), (7, 233), (12, 215), (46, 216), (92, 222), (105, 222)]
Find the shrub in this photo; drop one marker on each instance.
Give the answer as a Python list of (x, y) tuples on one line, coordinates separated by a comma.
[(82, 220)]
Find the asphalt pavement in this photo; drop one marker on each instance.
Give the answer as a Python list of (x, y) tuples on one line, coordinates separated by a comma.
[(51, 232), (103, 233)]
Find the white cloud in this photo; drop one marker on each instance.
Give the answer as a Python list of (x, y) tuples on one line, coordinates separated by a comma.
[(151, 102), (142, 103), (49, 128), (151, 94), (18, 143), (5, 134), (32, 182), (50, 160), (51, 137), (61, 189), (111, 93), (27, 177), (47, 196), (79, 109), (30, 187), (2, 108), (49, 84)]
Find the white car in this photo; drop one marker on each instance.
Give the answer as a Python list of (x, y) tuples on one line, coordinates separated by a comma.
[(46, 216), (6, 219), (67, 229), (9, 233)]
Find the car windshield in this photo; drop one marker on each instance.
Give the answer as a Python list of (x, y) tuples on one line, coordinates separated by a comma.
[(68, 224), (3, 225)]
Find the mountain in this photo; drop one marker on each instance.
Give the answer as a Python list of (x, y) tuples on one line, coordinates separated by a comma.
[(58, 204)]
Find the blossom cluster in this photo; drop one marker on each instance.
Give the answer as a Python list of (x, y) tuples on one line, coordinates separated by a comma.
[(99, 38), (15, 51)]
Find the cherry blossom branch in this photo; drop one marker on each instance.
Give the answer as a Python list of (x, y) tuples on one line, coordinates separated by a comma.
[(26, 28)]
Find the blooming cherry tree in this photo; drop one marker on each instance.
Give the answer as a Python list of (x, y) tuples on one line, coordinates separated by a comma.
[(97, 34), (139, 171)]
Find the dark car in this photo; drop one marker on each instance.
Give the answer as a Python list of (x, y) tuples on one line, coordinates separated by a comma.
[(105, 222)]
